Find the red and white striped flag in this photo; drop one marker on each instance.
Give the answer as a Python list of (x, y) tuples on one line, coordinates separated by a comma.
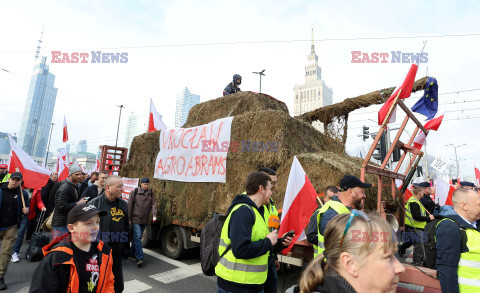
[(298, 205), (155, 122), (433, 124), (97, 165), (34, 176), (65, 131), (62, 165)]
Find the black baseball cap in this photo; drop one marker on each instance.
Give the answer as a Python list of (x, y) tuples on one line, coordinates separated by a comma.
[(350, 181), (422, 184), (466, 184), (17, 175), (84, 212)]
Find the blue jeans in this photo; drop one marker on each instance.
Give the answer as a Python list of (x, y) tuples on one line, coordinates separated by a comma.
[(136, 250), (220, 290), (20, 235), (59, 231)]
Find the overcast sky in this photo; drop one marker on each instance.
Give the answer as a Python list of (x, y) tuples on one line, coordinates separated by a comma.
[(201, 44)]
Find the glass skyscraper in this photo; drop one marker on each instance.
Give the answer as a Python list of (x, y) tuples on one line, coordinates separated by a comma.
[(185, 101), (136, 125), (37, 116)]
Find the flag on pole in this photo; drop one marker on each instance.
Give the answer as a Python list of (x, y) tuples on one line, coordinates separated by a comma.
[(433, 124), (477, 176), (155, 122), (298, 205), (97, 165), (65, 132), (444, 192), (407, 194), (62, 165), (406, 88), (428, 104), (34, 176)]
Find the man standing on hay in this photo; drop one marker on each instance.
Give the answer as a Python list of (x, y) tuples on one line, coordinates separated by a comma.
[(351, 196), (233, 86)]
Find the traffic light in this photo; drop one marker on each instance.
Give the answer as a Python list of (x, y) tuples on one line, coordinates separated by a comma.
[(396, 154), (365, 132), (381, 148)]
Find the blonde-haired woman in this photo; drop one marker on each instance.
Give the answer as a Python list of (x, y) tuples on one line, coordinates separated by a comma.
[(359, 253)]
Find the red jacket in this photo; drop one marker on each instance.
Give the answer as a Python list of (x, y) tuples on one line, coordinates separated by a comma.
[(36, 201)]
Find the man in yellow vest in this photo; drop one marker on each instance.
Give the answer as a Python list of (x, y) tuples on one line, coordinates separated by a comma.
[(416, 218), (458, 262), (4, 175), (245, 241), (312, 227), (351, 196), (270, 285)]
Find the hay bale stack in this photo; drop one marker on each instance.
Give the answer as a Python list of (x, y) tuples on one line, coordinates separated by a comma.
[(263, 137), (232, 105)]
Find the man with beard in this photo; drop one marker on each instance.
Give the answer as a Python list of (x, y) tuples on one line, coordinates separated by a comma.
[(350, 197)]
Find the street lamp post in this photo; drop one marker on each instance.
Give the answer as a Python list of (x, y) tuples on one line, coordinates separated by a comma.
[(456, 157), (118, 127), (48, 146), (260, 73)]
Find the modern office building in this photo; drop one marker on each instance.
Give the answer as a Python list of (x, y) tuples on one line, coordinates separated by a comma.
[(314, 93), (82, 146), (5, 143), (185, 101), (38, 112), (136, 125)]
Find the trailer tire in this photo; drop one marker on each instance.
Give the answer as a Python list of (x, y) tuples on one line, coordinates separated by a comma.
[(172, 242)]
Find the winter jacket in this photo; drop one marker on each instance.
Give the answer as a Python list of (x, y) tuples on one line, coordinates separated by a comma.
[(231, 89), (35, 203), (83, 185), (312, 228), (428, 203), (328, 215), (20, 214), (240, 234), (91, 192), (52, 194), (115, 224), (449, 247), (141, 206), (333, 283), (66, 198), (58, 273), (46, 192)]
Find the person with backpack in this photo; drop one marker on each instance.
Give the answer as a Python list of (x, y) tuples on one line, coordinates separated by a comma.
[(458, 243), (142, 207), (416, 218), (245, 240)]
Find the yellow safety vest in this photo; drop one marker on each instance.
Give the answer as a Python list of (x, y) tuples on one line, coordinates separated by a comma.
[(243, 271), (340, 209), (408, 214), (5, 178), (469, 264), (269, 210)]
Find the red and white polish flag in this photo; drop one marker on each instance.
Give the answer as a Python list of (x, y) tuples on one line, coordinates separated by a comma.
[(34, 176), (155, 122), (62, 165), (298, 205), (65, 131), (477, 175), (433, 124)]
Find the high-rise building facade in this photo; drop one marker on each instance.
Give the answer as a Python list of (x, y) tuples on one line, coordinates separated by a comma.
[(82, 146), (5, 143), (38, 112), (135, 126), (314, 93), (185, 101)]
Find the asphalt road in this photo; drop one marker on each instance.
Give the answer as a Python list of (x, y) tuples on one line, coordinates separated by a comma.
[(159, 274)]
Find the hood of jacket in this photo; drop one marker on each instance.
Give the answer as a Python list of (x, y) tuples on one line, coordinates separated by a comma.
[(447, 211), (239, 199)]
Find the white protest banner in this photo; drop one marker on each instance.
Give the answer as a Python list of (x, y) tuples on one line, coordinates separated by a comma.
[(129, 184), (197, 154), (439, 164)]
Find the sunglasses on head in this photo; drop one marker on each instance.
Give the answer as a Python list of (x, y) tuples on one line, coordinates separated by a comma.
[(354, 213)]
